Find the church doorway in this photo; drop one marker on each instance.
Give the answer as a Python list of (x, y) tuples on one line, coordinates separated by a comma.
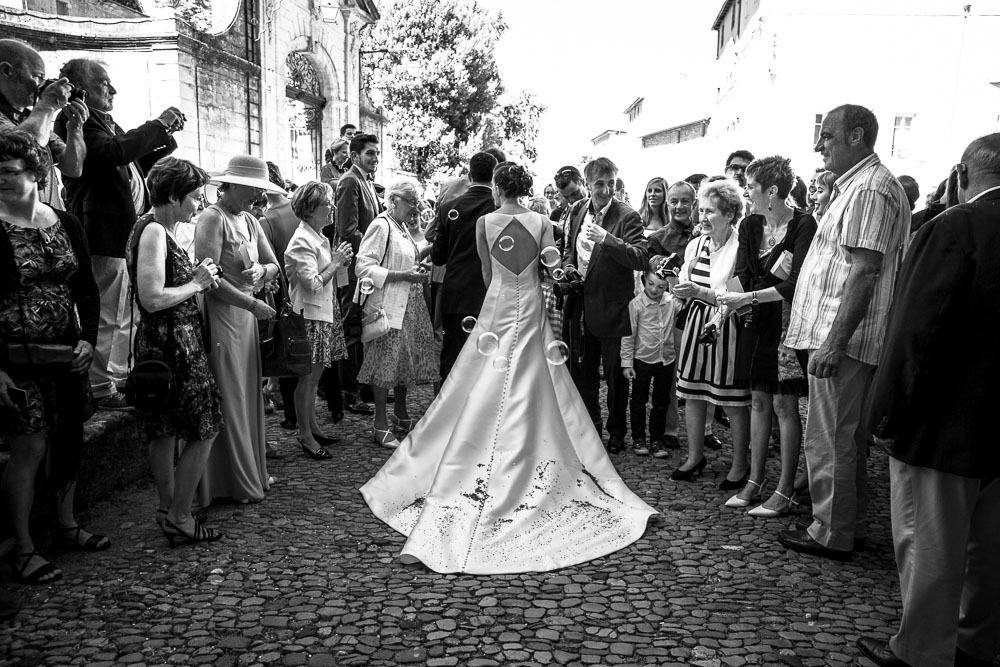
[(304, 107)]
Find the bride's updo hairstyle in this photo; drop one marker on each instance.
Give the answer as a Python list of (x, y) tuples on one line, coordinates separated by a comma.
[(512, 180)]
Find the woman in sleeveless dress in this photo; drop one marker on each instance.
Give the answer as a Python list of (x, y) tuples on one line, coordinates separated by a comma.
[(233, 239), (505, 472)]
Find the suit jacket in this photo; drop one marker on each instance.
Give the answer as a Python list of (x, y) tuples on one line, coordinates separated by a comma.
[(356, 207), (462, 291), (101, 197), (452, 189), (936, 386), (609, 283)]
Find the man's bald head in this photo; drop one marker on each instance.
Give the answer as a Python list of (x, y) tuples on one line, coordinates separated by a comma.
[(980, 166), (16, 52), (22, 71)]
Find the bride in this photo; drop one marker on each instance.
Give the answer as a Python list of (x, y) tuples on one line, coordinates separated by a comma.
[(505, 472)]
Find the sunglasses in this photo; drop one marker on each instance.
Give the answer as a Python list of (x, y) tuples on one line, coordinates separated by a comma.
[(564, 173)]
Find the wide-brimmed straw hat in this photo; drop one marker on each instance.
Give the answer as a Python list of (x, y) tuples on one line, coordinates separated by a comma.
[(247, 170)]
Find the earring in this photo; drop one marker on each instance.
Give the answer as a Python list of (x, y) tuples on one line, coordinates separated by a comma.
[(769, 203)]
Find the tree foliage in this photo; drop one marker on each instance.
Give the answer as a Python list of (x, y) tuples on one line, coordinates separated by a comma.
[(433, 71)]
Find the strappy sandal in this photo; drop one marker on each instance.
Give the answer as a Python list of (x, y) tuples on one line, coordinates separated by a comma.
[(402, 424), (769, 513), (39, 574), (71, 537), (738, 501), (161, 516), (200, 534), (384, 438)]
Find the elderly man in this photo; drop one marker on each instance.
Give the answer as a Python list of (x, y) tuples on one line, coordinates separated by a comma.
[(108, 197), (22, 73), (838, 316), (935, 387), (604, 241)]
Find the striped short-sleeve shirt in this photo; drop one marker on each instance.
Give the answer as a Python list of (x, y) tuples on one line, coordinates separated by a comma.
[(868, 210)]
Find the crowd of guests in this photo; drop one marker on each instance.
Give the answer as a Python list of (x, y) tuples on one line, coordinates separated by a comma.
[(734, 295)]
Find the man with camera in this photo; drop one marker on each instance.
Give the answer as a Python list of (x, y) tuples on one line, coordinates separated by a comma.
[(108, 197), (29, 102)]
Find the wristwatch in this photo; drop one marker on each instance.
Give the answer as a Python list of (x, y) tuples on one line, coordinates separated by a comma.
[(753, 299)]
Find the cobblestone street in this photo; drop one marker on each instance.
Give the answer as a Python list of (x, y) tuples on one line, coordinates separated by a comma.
[(310, 577)]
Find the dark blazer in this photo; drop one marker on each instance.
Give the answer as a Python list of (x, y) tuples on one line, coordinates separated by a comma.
[(609, 283), (356, 207), (936, 386), (462, 291), (101, 197)]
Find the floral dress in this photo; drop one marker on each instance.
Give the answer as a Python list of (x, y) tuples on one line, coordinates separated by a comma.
[(46, 263), (196, 412)]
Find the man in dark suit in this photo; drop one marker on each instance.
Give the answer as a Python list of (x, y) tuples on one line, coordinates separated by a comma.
[(108, 197), (930, 404), (606, 244), (356, 206), (462, 291)]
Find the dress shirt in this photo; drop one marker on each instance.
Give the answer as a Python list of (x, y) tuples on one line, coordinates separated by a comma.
[(652, 340), (584, 246), (307, 254), (868, 209)]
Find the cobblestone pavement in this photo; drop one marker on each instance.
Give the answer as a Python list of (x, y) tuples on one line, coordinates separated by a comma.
[(310, 577)]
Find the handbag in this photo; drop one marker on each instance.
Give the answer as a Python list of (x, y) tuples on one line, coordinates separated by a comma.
[(375, 324), (285, 349), (149, 386), (37, 358)]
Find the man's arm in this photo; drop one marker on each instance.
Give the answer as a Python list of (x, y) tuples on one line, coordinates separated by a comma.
[(346, 198), (74, 151), (866, 267), (631, 249), (439, 251)]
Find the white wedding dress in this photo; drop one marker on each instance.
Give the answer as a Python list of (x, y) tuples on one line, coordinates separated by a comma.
[(505, 472)]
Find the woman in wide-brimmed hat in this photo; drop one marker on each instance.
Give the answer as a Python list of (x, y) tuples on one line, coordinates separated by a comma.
[(233, 239)]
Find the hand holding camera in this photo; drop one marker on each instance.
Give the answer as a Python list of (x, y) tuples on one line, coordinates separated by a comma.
[(57, 93), (172, 119)]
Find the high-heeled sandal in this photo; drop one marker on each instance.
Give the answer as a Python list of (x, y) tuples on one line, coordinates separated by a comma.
[(200, 534), (767, 512), (738, 502), (39, 574), (72, 537), (161, 516), (402, 424), (681, 475), (384, 437), (319, 454)]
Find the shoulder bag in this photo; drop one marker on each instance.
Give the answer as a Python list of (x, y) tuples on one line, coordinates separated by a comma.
[(375, 324), (285, 349)]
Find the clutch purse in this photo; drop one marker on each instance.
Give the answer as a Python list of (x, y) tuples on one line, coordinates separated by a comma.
[(49, 355)]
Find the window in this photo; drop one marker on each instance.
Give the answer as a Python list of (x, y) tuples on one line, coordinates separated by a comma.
[(62, 7), (901, 137), (817, 128), (634, 111)]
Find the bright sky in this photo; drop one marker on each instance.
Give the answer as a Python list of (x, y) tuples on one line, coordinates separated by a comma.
[(587, 60)]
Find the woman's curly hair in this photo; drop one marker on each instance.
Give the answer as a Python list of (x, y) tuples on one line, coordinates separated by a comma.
[(513, 180)]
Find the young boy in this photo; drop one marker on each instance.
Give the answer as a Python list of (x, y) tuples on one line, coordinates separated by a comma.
[(648, 357)]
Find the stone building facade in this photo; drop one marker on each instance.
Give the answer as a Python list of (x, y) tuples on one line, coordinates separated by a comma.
[(273, 78)]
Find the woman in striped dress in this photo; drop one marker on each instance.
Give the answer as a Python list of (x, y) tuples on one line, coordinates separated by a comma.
[(707, 364)]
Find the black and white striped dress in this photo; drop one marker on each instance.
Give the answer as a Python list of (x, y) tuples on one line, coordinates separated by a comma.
[(707, 372)]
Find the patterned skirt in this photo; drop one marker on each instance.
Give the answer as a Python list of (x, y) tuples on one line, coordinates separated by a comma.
[(707, 372), (327, 340), (406, 356)]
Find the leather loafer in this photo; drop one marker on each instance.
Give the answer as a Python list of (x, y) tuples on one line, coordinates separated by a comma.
[(359, 407), (803, 523), (616, 444), (801, 541), (712, 442), (879, 652)]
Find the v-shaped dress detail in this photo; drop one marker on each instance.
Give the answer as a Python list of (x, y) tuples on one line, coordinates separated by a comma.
[(505, 472)]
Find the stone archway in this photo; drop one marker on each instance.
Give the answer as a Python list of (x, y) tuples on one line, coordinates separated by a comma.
[(304, 102)]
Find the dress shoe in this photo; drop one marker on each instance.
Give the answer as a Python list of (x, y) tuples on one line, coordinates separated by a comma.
[(801, 541), (671, 442), (289, 424), (879, 652), (359, 407), (803, 523), (963, 659), (779, 504), (271, 451), (337, 417), (734, 484), (681, 475), (749, 494), (616, 444), (713, 442), (721, 418)]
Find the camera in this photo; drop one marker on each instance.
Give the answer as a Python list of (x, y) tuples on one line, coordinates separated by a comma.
[(75, 92)]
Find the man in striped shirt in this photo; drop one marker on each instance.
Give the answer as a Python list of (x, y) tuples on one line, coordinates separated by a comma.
[(838, 316)]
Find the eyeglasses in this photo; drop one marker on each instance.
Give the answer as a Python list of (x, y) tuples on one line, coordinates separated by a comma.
[(412, 202), (735, 167)]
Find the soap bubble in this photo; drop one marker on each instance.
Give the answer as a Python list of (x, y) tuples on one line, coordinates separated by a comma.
[(468, 324), (558, 274), (366, 285), (500, 364), (557, 353), (506, 243), (453, 214), (488, 343), (549, 257), (427, 216)]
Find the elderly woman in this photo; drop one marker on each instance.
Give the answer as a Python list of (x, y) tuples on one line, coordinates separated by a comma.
[(707, 356), (44, 394), (170, 330), (232, 239), (773, 241), (390, 285), (311, 266), (653, 209), (336, 162)]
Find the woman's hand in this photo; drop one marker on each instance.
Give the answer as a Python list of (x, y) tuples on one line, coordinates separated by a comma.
[(6, 383), (343, 254), (261, 310), (255, 273), (206, 275), (734, 300), (82, 355), (416, 274), (686, 289)]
